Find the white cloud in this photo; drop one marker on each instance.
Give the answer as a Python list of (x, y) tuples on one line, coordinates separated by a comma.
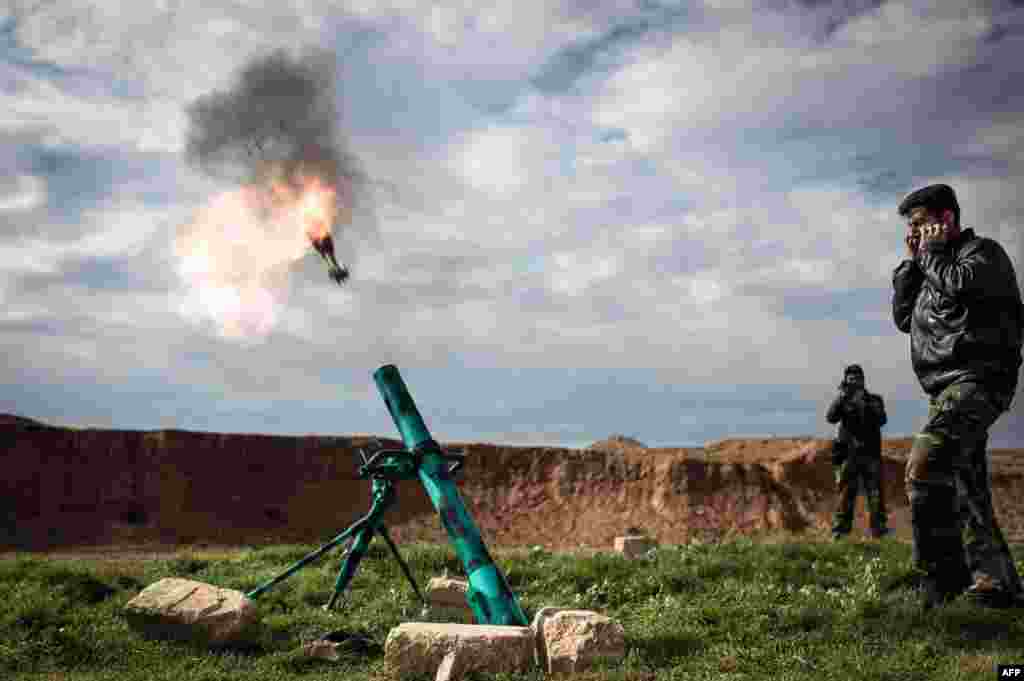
[(1003, 139), (918, 43), (751, 72), (92, 119), (504, 160), (151, 49), (593, 155), (18, 311), (573, 273), (698, 81), (22, 193), (116, 231), (694, 176), (705, 290), (479, 319)]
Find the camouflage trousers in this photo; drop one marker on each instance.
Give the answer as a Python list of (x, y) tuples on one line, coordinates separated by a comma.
[(957, 539), (859, 473)]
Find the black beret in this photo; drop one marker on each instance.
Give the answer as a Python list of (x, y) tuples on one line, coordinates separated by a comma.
[(854, 369), (932, 197)]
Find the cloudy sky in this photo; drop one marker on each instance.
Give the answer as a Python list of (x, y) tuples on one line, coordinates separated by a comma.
[(672, 221)]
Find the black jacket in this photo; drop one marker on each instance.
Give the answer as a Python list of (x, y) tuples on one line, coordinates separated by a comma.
[(961, 305), (860, 422)]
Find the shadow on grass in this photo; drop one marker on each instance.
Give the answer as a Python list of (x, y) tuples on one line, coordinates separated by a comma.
[(661, 649), (78, 587), (73, 584), (50, 646), (907, 581), (966, 626), (956, 626), (187, 566), (810, 618)]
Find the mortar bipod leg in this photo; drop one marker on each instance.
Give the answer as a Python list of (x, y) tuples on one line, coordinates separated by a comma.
[(307, 559), (355, 553), (383, 531)]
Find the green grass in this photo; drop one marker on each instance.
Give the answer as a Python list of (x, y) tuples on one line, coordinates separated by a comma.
[(735, 609)]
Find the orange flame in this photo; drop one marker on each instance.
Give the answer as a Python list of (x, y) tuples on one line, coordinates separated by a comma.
[(235, 253), (318, 208)]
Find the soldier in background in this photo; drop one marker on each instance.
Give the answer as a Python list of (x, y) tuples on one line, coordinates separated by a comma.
[(957, 296), (857, 452)]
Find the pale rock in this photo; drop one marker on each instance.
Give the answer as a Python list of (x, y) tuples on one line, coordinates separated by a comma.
[(325, 650), (633, 545), (186, 609), (446, 601), (447, 592), (537, 626), (452, 650), (575, 640)]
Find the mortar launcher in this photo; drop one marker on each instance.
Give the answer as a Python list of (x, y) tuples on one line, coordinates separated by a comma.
[(488, 595)]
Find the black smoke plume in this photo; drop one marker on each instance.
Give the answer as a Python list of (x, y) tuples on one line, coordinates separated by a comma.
[(279, 118)]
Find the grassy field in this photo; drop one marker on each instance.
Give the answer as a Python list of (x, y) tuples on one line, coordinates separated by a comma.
[(738, 609)]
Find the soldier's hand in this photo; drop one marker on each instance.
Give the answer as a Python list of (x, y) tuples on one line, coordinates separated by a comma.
[(912, 240)]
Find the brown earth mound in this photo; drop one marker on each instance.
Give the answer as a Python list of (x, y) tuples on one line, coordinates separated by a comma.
[(617, 443), (65, 488)]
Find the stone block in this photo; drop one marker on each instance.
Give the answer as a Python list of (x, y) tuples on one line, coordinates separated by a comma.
[(633, 545), (574, 640), (324, 650), (190, 610), (447, 592), (450, 651), (446, 601)]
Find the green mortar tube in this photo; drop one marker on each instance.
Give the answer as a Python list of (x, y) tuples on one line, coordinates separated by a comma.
[(489, 595)]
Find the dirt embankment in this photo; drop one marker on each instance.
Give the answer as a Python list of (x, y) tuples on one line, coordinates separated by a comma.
[(66, 487)]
